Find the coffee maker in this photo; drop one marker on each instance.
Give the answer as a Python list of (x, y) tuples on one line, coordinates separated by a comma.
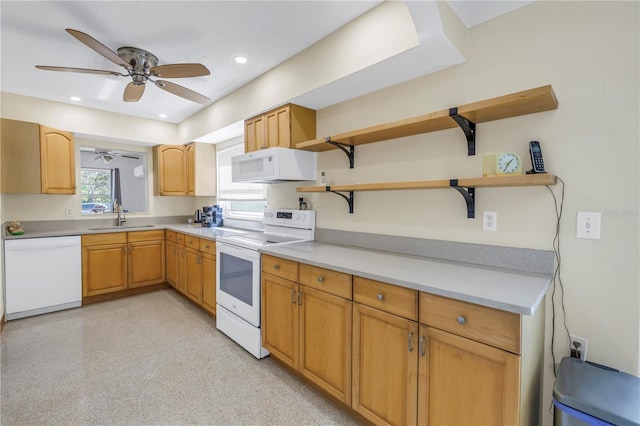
[(211, 216)]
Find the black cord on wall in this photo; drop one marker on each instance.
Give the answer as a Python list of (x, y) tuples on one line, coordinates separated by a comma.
[(557, 277)]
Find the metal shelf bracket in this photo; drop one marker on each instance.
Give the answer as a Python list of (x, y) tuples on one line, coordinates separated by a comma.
[(343, 146), (469, 195), (348, 199), (468, 127)]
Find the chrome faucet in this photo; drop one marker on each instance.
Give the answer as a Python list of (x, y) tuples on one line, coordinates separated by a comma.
[(121, 217)]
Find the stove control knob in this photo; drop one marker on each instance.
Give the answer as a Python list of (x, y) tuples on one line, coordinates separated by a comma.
[(296, 216), (303, 216)]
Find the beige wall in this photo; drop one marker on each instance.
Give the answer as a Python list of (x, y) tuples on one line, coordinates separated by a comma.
[(588, 51)]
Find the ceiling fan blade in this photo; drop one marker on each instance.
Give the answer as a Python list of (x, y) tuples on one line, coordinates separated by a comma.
[(98, 47), (179, 70), (182, 91), (133, 92), (80, 70)]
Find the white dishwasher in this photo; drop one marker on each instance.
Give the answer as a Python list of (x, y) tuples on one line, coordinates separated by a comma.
[(42, 275)]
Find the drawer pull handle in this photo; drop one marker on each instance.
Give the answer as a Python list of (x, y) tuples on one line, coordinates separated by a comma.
[(380, 296), (461, 319), (276, 266), (320, 278), (422, 345), (293, 297), (409, 343), (207, 246)]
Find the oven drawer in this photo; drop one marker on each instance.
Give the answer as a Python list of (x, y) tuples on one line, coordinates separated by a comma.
[(279, 267), (333, 282), (391, 298), (487, 325), (208, 246)]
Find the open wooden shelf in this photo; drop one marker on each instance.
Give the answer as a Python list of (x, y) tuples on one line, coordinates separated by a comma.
[(520, 103), (466, 186)]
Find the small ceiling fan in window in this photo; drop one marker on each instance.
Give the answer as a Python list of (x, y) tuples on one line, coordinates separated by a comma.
[(108, 156), (141, 66)]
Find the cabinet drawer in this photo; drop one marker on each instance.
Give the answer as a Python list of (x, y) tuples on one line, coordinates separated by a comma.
[(207, 246), (180, 238), (156, 234), (99, 239), (391, 298), (282, 268), (487, 325), (333, 282), (191, 241), (170, 235)]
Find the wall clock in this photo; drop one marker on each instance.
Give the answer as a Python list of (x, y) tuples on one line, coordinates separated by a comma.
[(501, 163)]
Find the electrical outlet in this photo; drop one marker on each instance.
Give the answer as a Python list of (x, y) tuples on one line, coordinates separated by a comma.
[(489, 221), (578, 347), (68, 212), (588, 225)]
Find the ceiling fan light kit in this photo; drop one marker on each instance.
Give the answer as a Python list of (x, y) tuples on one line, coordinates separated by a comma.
[(140, 65)]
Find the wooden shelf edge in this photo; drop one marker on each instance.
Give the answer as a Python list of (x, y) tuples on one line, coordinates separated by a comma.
[(525, 102), (478, 182)]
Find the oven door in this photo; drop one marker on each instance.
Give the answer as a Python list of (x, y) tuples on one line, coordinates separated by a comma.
[(238, 281)]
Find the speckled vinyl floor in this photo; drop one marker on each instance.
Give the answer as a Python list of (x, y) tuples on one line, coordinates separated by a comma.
[(151, 359)]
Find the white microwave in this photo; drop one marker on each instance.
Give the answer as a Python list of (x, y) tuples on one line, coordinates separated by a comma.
[(273, 165)]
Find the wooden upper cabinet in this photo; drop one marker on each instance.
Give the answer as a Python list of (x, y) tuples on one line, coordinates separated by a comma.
[(37, 159), (171, 169), (281, 127), (57, 161), (185, 169), (254, 134), (201, 169)]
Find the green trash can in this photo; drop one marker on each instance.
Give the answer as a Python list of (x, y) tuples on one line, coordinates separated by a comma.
[(590, 394)]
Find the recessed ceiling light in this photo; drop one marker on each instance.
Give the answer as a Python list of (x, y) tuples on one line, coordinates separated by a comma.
[(75, 98), (241, 60), (162, 115)]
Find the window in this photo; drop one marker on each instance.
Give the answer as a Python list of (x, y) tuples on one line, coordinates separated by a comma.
[(238, 200), (96, 190)]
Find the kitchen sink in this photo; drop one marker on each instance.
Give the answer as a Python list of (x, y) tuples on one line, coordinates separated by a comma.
[(104, 228)]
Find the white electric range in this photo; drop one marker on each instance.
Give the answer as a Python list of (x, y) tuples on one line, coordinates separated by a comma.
[(238, 273)]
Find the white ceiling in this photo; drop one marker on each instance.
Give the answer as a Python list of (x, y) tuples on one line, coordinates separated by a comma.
[(208, 32)]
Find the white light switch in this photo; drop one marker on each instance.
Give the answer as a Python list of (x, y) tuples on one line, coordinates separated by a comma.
[(588, 225)]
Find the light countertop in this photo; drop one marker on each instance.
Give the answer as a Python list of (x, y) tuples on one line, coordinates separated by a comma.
[(504, 289)]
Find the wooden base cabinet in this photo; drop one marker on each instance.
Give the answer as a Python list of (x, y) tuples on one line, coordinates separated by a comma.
[(104, 263), (464, 382), (172, 262), (306, 328), (385, 366), (120, 260)]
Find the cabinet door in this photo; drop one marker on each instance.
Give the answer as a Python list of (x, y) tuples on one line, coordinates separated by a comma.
[(193, 288), (278, 128), (254, 137), (385, 366), (182, 268), (57, 161), (191, 169), (20, 157), (146, 263), (104, 268), (172, 170), (325, 341), (172, 263), (280, 318), (465, 382), (209, 282)]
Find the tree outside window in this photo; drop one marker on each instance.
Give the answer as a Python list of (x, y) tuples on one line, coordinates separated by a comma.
[(96, 190)]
